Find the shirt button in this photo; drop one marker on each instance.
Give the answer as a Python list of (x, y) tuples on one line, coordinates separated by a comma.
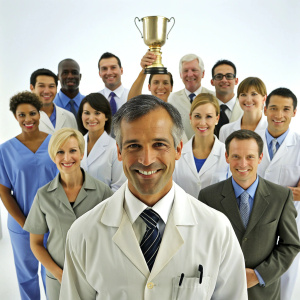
[(245, 240), (150, 285)]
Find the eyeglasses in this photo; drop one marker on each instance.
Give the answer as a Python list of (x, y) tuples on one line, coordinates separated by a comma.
[(228, 76)]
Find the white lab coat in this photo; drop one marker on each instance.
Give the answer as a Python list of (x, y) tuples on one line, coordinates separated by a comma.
[(227, 129), (64, 119), (284, 169), (102, 162), (215, 168), (104, 259)]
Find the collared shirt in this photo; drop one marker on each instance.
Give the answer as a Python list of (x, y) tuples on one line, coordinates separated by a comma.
[(53, 116), (230, 104), (63, 101), (197, 92), (238, 190), (134, 207), (121, 95), (269, 139)]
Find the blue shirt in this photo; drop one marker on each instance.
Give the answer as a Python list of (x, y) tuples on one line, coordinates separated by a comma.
[(280, 140), (199, 163), (53, 117), (63, 101), (24, 172)]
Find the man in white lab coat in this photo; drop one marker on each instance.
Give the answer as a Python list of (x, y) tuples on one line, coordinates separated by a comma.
[(281, 161), (43, 83), (193, 252)]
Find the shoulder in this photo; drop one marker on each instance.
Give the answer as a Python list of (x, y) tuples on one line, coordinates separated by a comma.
[(176, 95), (205, 90), (275, 190)]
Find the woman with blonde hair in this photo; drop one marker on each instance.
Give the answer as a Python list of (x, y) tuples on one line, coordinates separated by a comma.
[(252, 94), (202, 161), (59, 203)]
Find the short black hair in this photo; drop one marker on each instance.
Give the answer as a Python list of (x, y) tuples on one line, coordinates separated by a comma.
[(171, 78), (24, 98), (109, 55), (283, 92), (223, 62), (42, 72), (98, 102), (245, 134), (67, 59)]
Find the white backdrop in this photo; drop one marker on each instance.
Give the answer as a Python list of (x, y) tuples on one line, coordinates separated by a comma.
[(261, 37)]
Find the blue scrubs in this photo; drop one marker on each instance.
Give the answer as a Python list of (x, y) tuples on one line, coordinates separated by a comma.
[(24, 172)]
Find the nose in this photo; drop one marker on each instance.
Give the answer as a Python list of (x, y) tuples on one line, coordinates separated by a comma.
[(28, 117), (243, 162), (147, 156), (160, 85), (190, 73), (279, 113), (66, 156), (70, 75)]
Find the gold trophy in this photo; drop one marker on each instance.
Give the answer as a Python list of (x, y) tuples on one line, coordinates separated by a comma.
[(155, 35)]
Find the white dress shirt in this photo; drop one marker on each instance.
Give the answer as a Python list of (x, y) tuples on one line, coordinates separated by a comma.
[(230, 104), (121, 95)]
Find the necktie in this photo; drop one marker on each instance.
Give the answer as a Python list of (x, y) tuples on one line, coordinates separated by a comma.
[(113, 104), (274, 149), (245, 208), (223, 119), (73, 110), (191, 96), (151, 240)]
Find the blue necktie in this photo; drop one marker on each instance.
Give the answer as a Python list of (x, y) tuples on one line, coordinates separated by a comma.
[(245, 208), (113, 104), (274, 148), (73, 110), (191, 96), (151, 240)]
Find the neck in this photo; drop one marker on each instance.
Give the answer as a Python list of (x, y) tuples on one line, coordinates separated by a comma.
[(95, 135), (251, 119), (30, 136), (48, 109), (71, 94), (224, 98), (275, 134), (203, 145), (113, 88), (71, 180)]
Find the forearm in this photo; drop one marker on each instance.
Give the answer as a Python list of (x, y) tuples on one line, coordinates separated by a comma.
[(11, 205), (43, 256), (137, 86)]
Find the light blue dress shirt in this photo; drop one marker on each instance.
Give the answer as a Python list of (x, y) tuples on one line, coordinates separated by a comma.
[(280, 140), (53, 117)]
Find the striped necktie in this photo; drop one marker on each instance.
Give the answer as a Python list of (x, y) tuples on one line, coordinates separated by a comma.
[(151, 240)]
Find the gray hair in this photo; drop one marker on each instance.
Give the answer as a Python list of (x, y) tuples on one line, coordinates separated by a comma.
[(140, 106), (190, 57)]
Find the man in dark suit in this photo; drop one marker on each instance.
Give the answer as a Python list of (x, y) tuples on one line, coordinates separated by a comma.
[(262, 215)]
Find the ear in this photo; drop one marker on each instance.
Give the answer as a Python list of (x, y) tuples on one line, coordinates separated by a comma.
[(178, 150), (119, 153), (148, 87), (31, 87), (265, 110), (236, 81), (218, 118), (260, 158), (58, 77), (203, 73), (295, 110), (190, 117), (121, 71), (226, 157), (212, 82), (80, 76)]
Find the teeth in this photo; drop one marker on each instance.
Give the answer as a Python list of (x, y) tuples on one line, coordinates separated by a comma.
[(242, 171), (147, 173), (92, 124), (28, 125), (67, 165)]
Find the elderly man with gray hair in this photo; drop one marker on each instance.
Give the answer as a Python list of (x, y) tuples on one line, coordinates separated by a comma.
[(151, 240), (191, 69)]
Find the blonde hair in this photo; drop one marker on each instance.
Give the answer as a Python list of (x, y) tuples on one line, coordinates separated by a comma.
[(205, 98), (60, 136)]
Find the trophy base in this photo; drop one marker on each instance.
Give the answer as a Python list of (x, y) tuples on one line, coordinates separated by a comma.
[(156, 70)]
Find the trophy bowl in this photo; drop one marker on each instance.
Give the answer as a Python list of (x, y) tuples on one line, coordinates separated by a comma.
[(155, 36)]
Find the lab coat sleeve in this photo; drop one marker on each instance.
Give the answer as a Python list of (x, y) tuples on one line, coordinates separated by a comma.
[(117, 175), (232, 269), (74, 284)]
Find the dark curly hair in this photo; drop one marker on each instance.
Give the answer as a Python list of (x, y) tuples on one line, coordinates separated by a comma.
[(24, 98)]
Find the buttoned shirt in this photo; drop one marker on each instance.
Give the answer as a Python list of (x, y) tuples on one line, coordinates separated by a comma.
[(197, 92), (121, 95), (230, 104), (134, 207), (269, 139)]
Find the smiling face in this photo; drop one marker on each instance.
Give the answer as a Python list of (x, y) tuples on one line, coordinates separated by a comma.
[(160, 86), (69, 76), (93, 120), (279, 113), (110, 72), (243, 158), (149, 155), (45, 88), (204, 119), (251, 100), (224, 87), (68, 156), (191, 75), (28, 117)]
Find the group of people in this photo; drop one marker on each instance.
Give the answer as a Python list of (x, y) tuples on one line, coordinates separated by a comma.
[(154, 157)]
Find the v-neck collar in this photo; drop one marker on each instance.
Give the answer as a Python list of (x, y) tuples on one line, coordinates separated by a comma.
[(25, 147)]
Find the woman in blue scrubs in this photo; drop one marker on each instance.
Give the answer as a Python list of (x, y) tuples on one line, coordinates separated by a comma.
[(25, 166)]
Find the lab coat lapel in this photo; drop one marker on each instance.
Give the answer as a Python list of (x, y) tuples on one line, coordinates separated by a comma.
[(283, 149), (46, 120), (98, 148), (188, 157), (60, 118), (181, 215), (115, 216)]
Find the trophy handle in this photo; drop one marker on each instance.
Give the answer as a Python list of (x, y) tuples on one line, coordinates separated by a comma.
[(171, 27), (138, 27)]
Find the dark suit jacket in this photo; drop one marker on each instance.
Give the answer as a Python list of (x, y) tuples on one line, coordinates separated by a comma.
[(272, 218)]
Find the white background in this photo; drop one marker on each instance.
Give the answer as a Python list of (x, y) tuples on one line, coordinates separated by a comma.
[(261, 37)]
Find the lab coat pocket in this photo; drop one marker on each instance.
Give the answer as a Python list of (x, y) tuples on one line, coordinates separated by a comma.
[(190, 288), (289, 175)]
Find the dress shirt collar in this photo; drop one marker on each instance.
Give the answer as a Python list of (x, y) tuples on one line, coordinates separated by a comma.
[(118, 91), (134, 207), (64, 99), (230, 104), (238, 190), (280, 139), (197, 92)]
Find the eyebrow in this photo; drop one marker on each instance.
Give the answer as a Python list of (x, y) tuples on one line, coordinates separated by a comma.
[(34, 110), (153, 140)]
